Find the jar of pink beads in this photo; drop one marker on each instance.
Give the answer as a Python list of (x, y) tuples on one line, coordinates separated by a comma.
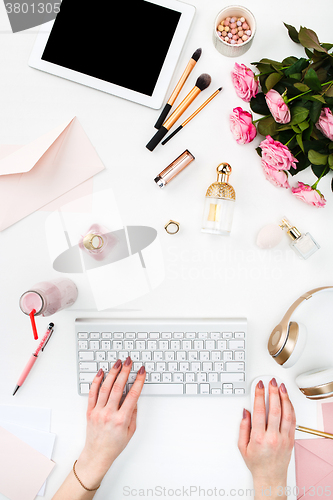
[(234, 29)]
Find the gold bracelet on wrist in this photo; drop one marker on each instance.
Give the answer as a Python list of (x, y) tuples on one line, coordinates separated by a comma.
[(83, 486)]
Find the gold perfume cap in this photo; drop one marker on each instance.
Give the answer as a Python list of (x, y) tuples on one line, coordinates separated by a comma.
[(222, 189), (291, 230), (93, 241)]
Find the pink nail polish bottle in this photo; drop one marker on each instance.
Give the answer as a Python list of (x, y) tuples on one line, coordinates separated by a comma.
[(98, 242), (49, 297)]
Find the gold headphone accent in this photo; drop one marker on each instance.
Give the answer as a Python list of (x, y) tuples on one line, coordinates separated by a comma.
[(282, 341), (318, 390)]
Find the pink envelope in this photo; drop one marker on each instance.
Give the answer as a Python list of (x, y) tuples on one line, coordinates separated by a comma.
[(314, 468), (34, 175)]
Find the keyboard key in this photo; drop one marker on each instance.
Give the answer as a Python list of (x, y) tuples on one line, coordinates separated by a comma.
[(160, 389), (178, 377), (155, 377), (130, 335), (146, 356), (239, 355), (86, 356), (160, 367), (94, 335), (198, 345), (87, 377), (178, 335), (100, 356), (210, 344), (207, 367), (190, 377), (112, 356), (215, 335), (106, 345), (94, 345), (239, 335), (172, 367), (131, 377), (129, 345), (202, 335), (166, 377), (154, 335), (142, 335), (169, 356), (105, 366), (150, 367), (163, 344), (202, 377), (218, 366), (158, 355), (193, 355), (174, 345), (191, 388), (227, 386), (166, 335), (187, 344), (204, 388), (239, 391), (216, 391), (135, 355), (140, 344), (216, 355), (227, 391), (232, 377), (195, 367), (234, 367), (88, 367), (221, 345), (122, 355), (181, 356), (152, 345), (227, 355), (117, 345), (83, 344), (190, 335), (213, 377), (184, 366), (236, 344), (82, 335), (106, 335), (118, 335), (204, 355), (227, 335), (84, 388)]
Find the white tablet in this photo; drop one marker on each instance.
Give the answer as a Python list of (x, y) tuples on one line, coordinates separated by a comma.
[(128, 48)]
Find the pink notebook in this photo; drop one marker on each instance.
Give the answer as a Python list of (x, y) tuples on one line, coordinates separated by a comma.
[(23, 470)]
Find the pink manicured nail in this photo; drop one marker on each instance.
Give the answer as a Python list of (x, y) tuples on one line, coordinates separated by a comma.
[(260, 384), (117, 364), (244, 413), (273, 382), (283, 388), (127, 361), (142, 370), (99, 373)]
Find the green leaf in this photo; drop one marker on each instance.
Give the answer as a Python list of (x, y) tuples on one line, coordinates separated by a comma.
[(329, 91), (296, 129), (309, 39), (275, 64), (301, 86), (258, 104), (315, 111), (272, 80), (295, 76), (293, 33), (303, 125), (311, 80), (327, 46), (330, 160), (288, 61), (297, 67), (259, 151), (317, 98), (319, 170), (300, 141), (267, 126), (298, 115), (317, 158)]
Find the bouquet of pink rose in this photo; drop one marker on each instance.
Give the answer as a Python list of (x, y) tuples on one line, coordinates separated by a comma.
[(296, 101)]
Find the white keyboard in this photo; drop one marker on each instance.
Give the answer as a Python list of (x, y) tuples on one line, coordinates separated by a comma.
[(181, 356)]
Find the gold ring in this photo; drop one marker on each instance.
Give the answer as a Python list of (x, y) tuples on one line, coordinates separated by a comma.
[(88, 241), (175, 226)]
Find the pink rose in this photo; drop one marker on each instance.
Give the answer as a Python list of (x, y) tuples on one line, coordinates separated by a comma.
[(277, 177), (325, 123), (311, 196), (276, 155), (241, 126), (277, 107), (244, 82)]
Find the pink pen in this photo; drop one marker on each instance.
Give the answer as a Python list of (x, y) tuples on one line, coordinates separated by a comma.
[(33, 357)]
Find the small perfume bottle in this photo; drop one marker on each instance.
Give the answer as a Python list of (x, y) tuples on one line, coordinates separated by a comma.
[(219, 203), (303, 244), (98, 242)]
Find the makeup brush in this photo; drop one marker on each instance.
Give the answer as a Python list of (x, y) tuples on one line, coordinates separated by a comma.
[(192, 116), (192, 62), (201, 84)]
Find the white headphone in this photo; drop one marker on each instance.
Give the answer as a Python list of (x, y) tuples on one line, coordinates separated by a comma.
[(286, 344)]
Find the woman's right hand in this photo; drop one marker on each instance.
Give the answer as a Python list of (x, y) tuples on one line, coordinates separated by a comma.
[(266, 450)]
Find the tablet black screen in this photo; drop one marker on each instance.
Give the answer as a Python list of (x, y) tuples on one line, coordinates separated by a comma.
[(124, 42)]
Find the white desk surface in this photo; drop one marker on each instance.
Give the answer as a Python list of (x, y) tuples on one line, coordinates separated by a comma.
[(179, 441)]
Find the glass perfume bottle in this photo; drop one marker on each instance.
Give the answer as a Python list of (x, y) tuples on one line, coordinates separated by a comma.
[(303, 244), (98, 242), (219, 203), (49, 297)]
